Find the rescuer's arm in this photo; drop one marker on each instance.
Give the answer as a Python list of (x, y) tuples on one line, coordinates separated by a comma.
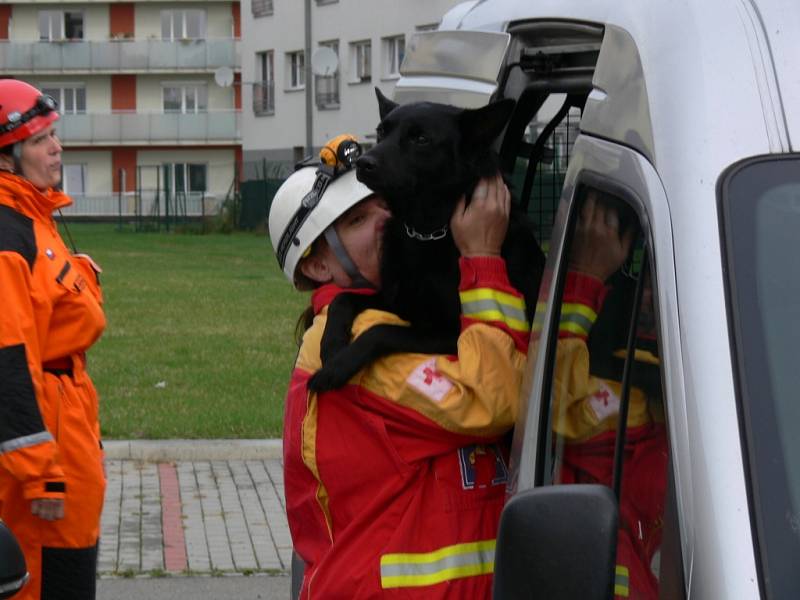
[(27, 449)]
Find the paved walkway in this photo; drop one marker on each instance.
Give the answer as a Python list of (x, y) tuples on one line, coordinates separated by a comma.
[(200, 516)]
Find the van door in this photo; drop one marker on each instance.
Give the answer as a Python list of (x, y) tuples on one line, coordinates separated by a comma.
[(603, 402)]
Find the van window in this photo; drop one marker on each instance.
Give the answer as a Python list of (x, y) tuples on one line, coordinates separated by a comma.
[(541, 158), (607, 365), (760, 204)]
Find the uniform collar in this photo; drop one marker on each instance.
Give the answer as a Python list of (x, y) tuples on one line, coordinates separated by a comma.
[(21, 195)]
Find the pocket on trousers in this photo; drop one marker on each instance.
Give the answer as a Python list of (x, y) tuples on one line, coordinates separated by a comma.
[(69, 573)]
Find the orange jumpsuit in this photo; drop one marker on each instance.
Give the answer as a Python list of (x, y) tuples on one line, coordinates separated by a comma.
[(50, 314)]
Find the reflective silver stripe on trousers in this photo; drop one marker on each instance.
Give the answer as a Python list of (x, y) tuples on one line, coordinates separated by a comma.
[(477, 306), (13, 585), (25, 441), (448, 562)]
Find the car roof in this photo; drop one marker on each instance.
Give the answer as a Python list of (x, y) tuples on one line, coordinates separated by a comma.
[(720, 71)]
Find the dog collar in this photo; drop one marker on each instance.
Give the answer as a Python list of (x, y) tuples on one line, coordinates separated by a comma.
[(437, 234)]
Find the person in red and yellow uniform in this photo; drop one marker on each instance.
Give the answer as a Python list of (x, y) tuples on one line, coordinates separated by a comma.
[(586, 406), (51, 461), (395, 482)]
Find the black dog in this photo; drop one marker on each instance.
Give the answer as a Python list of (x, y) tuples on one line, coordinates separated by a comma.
[(427, 157)]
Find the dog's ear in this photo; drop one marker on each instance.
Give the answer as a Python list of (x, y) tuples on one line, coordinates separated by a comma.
[(482, 125), (385, 106)]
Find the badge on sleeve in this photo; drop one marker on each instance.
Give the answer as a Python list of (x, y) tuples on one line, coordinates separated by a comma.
[(430, 382)]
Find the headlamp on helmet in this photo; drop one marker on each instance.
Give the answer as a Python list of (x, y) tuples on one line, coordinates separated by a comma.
[(338, 156)]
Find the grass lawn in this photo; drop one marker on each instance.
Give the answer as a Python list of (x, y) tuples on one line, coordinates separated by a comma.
[(200, 336)]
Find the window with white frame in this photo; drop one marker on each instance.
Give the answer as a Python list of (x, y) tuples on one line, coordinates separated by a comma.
[(188, 23), (74, 179), (185, 98), (185, 178), (264, 86), (394, 49), (261, 8), (71, 97), (60, 25), (295, 70), (361, 57), (326, 87)]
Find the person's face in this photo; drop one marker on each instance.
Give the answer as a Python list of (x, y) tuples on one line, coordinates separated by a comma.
[(360, 230), (41, 159)]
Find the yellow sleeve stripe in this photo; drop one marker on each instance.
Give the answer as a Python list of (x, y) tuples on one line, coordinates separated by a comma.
[(577, 318), (486, 304), (621, 581), (445, 564), (492, 294)]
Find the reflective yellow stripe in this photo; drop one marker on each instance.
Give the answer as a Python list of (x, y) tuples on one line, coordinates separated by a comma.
[(496, 315), (577, 318), (487, 304), (621, 581), (444, 564), (581, 309), (492, 294)]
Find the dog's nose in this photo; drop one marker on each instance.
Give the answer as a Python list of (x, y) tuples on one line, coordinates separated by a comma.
[(366, 163)]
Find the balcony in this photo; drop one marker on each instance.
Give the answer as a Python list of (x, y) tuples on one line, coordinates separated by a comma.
[(119, 56), (218, 127)]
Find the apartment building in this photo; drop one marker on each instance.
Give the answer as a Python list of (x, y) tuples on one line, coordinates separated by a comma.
[(368, 38), (148, 92)]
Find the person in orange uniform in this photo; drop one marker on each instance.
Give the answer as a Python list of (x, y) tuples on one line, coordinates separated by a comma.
[(51, 460), (395, 482)]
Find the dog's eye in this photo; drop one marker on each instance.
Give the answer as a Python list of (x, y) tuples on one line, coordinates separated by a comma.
[(379, 132), (420, 140)]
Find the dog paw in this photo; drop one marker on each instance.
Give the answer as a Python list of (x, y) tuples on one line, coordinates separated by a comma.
[(331, 344), (326, 379)]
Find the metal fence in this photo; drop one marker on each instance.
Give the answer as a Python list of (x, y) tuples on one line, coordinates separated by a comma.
[(150, 203)]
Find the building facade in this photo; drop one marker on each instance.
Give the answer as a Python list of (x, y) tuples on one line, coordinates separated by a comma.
[(368, 39), (148, 92)]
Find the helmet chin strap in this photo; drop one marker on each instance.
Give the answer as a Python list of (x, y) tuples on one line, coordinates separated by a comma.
[(16, 153), (357, 279)]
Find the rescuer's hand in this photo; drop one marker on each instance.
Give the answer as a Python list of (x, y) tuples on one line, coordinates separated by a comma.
[(480, 227), (599, 248), (49, 509)]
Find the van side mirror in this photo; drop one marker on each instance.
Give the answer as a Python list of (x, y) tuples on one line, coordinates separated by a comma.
[(13, 573), (557, 542)]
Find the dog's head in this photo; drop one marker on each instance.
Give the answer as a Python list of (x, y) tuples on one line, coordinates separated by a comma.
[(429, 154)]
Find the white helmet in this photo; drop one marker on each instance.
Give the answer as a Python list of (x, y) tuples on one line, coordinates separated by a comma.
[(295, 222)]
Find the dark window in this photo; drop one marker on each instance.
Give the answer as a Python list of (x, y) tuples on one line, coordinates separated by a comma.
[(606, 407), (760, 202)]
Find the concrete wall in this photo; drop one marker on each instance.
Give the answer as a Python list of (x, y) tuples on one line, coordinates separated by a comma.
[(346, 21)]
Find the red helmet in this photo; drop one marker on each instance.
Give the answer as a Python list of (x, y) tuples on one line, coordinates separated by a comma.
[(24, 111)]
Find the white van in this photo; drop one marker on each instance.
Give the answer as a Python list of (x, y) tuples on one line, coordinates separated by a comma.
[(687, 112)]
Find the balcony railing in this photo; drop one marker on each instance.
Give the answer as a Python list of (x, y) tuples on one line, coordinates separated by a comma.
[(150, 128), (264, 98), (147, 204), (118, 56)]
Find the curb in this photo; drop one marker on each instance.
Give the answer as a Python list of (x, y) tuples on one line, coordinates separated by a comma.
[(175, 450)]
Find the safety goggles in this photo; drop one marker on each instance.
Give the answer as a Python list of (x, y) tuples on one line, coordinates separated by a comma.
[(44, 105)]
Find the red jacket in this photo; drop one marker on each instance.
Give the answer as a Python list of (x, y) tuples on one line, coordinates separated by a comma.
[(394, 483)]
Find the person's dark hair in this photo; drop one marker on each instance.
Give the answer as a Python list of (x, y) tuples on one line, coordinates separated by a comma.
[(303, 323), (8, 150)]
